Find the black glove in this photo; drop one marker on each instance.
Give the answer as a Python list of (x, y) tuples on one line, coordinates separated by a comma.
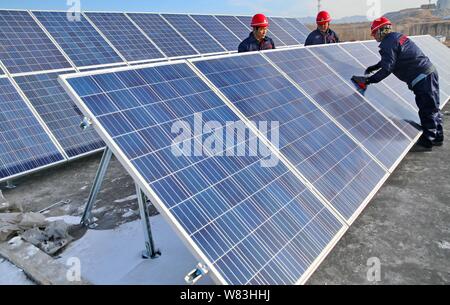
[(361, 82), (371, 69)]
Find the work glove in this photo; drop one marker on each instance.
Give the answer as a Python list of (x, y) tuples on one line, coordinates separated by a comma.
[(361, 83), (371, 69)]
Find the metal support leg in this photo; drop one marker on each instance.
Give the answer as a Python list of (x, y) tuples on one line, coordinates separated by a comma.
[(10, 185), (150, 251), (86, 220)]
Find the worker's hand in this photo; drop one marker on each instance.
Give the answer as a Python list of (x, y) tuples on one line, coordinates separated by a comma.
[(371, 69), (360, 81)]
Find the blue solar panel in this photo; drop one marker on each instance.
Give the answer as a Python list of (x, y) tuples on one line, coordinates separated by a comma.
[(232, 23), (162, 34), (125, 37), (24, 46), (299, 26), (246, 20), (439, 55), (393, 82), (369, 127), (59, 113), (24, 144), (219, 31), (197, 36), (281, 33), (81, 42), (321, 151), (379, 95), (289, 28), (1, 72), (254, 224)]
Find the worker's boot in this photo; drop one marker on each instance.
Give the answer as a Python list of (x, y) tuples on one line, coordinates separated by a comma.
[(422, 145), (439, 141)]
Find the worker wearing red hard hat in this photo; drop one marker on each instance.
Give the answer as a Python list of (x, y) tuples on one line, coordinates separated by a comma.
[(323, 34), (257, 40), (402, 57)]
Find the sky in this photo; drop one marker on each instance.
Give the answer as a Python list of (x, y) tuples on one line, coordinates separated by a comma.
[(294, 8)]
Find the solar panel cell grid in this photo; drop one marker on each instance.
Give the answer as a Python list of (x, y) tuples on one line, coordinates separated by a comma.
[(197, 36), (79, 39), (168, 40), (293, 31), (281, 33), (364, 123), (299, 26), (381, 97), (232, 23), (125, 37), (24, 144), (59, 113), (244, 218), (24, 45), (329, 159), (218, 31)]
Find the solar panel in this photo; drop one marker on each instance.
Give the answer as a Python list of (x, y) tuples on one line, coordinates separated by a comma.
[(232, 23), (439, 56), (299, 26), (393, 82), (162, 34), (1, 72), (221, 33), (24, 144), (293, 31), (59, 113), (246, 20), (197, 36), (340, 170), (250, 224), (281, 33), (24, 45), (125, 37), (381, 97), (79, 40), (344, 104)]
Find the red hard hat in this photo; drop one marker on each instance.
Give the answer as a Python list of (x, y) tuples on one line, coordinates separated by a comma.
[(379, 23), (259, 20), (323, 17)]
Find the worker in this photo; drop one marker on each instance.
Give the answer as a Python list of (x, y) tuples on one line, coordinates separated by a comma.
[(323, 34), (257, 40), (403, 58)]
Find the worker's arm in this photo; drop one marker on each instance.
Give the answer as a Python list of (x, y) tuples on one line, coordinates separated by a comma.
[(373, 68), (379, 76), (387, 64)]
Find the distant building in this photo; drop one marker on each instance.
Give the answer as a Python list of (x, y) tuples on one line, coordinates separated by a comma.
[(428, 6), (443, 4)]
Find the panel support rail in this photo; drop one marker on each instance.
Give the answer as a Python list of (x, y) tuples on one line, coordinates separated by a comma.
[(88, 221)]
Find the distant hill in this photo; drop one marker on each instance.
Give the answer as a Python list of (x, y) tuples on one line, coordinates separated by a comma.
[(350, 19), (414, 21)]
